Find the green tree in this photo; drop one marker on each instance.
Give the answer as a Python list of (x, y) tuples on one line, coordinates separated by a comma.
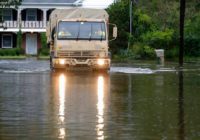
[(44, 50), (118, 13), (6, 4), (19, 39), (155, 25), (192, 37)]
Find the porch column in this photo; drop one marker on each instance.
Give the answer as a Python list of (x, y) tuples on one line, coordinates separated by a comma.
[(44, 17)]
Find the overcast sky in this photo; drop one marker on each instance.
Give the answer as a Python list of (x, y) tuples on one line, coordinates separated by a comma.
[(96, 3)]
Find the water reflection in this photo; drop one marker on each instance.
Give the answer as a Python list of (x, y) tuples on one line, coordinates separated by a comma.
[(100, 108), (94, 106), (62, 88), (181, 122), (79, 104)]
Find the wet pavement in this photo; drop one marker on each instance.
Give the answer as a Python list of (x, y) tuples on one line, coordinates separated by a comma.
[(140, 101)]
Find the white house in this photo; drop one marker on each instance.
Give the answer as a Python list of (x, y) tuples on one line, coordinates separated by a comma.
[(32, 16)]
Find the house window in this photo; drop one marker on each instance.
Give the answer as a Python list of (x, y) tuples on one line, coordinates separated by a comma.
[(31, 15), (7, 41), (7, 15)]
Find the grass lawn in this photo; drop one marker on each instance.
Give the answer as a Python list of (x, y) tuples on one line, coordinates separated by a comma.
[(24, 57), (13, 57), (43, 57), (192, 59)]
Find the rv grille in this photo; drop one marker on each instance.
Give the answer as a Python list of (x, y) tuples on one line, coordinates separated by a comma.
[(78, 53)]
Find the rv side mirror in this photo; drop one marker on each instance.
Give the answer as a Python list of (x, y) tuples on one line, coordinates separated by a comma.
[(115, 32)]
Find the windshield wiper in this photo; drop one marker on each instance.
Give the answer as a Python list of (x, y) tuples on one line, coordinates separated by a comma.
[(78, 32), (91, 34)]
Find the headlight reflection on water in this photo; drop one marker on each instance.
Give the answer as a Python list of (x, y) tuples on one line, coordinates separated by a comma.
[(100, 108), (62, 88)]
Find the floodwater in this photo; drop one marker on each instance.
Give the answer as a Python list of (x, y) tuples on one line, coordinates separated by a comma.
[(132, 102)]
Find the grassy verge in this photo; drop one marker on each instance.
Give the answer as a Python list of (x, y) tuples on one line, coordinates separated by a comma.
[(40, 57), (13, 57), (114, 60), (43, 57), (192, 59)]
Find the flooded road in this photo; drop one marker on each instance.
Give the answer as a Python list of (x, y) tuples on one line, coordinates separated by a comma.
[(138, 102)]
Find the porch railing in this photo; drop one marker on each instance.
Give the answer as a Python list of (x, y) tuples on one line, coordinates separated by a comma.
[(32, 24), (9, 24), (24, 24)]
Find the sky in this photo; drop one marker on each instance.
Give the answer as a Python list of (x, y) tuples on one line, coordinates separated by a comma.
[(97, 3)]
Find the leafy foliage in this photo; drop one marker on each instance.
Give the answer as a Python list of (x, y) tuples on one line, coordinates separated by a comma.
[(158, 39), (6, 4), (44, 50), (11, 52), (192, 37), (155, 26), (19, 39), (119, 15)]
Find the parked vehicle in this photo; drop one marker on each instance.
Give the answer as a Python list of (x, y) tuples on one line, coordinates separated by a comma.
[(79, 37)]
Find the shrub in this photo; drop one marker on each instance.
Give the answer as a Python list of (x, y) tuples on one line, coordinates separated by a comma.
[(140, 50), (43, 40), (192, 37), (172, 52), (44, 51), (137, 50), (158, 39), (19, 39), (11, 52), (149, 52)]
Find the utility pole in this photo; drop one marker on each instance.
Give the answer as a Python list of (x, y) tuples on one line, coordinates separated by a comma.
[(131, 16), (130, 22), (182, 20)]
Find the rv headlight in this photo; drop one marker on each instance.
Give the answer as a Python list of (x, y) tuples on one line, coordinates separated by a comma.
[(61, 61), (100, 62)]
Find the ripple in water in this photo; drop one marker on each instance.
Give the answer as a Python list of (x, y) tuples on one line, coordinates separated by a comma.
[(132, 70), (23, 66)]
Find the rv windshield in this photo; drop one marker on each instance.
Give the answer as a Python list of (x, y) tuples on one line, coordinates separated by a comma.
[(81, 30)]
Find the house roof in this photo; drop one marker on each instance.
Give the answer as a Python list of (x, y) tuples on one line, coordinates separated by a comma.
[(48, 1)]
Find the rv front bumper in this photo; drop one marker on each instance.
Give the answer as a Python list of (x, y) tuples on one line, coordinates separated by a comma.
[(96, 63)]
